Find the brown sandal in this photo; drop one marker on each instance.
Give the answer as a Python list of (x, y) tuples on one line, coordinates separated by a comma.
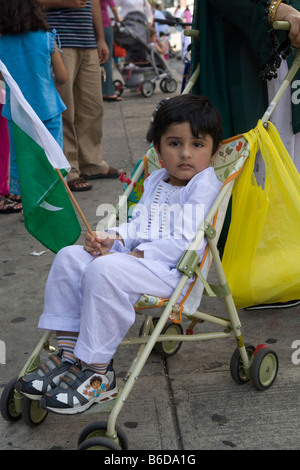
[(79, 184), (14, 197), (112, 173), (7, 206)]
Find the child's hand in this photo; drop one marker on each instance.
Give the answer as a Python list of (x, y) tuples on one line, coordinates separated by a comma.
[(98, 241), (92, 244)]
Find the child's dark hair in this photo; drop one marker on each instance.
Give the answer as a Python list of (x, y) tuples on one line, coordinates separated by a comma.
[(21, 16), (202, 115)]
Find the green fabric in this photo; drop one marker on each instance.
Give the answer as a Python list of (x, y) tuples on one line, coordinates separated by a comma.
[(234, 45), (48, 212)]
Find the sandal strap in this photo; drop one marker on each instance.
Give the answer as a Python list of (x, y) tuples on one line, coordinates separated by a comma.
[(50, 374), (73, 382)]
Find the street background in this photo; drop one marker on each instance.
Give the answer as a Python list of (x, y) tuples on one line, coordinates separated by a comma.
[(187, 402)]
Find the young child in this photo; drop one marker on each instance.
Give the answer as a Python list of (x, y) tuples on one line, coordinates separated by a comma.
[(89, 299), (30, 53), (154, 42), (165, 43)]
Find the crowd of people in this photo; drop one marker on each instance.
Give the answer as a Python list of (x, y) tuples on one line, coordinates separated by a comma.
[(84, 36), (92, 308)]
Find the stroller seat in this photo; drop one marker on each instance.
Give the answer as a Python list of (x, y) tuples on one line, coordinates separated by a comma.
[(162, 329), (231, 151)]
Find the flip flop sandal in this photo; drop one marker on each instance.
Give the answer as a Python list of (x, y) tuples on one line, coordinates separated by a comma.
[(76, 185), (112, 98), (112, 173), (14, 197), (7, 206)]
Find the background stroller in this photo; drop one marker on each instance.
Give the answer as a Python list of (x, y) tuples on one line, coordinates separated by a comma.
[(143, 65)]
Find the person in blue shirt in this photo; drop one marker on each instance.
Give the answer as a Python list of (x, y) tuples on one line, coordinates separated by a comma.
[(29, 51)]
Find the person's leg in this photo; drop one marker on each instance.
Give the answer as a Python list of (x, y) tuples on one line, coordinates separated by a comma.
[(61, 313), (108, 88), (7, 206), (71, 58), (110, 285), (89, 114), (55, 127), (14, 183), (4, 155)]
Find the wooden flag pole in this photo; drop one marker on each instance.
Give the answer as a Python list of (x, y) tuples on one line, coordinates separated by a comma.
[(76, 205)]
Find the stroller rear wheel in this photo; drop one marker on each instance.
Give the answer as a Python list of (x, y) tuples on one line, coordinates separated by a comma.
[(264, 368), (237, 367), (162, 85), (169, 348)]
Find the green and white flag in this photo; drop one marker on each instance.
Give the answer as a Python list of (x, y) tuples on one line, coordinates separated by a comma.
[(48, 211)]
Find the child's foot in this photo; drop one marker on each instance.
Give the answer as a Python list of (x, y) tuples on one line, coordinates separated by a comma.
[(44, 379), (79, 389)]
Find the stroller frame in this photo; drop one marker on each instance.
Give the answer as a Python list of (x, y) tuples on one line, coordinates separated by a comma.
[(259, 364), (157, 70)]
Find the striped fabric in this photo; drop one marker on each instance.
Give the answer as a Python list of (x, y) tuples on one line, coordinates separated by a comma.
[(74, 26), (67, 344)]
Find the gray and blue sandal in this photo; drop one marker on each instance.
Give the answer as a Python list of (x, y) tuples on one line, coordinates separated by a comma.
[(44, 379), (80, 389)]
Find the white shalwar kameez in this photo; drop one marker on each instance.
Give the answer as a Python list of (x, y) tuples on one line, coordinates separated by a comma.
[(95, 295)]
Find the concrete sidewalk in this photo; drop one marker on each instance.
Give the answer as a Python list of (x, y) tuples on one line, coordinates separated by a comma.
[(187, 402)]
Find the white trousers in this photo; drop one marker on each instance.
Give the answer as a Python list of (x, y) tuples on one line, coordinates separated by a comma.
[(95, 297)]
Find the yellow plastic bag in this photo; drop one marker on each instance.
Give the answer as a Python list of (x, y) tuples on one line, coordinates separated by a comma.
[(262, 253)]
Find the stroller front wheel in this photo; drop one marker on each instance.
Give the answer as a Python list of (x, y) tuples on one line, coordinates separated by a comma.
[(169, 348), (8, 403), (97, 430), (98, 443), (147, 88)]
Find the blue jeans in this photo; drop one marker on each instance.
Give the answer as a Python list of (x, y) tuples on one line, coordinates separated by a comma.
[(108, 86)]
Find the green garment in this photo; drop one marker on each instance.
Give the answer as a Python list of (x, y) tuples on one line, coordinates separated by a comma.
[(234, 46)]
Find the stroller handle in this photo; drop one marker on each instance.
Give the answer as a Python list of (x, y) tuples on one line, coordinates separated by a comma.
[(282, 25)]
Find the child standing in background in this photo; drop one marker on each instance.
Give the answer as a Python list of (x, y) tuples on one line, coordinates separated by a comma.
[(29, 51), (165, 42)]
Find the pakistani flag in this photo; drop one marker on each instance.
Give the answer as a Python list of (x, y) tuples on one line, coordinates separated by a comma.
[(48, 211)]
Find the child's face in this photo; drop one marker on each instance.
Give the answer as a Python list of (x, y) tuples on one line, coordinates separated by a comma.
[(183, 155)]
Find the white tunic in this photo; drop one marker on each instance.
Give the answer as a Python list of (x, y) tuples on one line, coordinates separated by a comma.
[(95, 295), (127, 6)]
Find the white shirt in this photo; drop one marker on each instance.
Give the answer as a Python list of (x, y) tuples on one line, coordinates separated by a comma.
[(126, 6), (166, 219), (160, 28)]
